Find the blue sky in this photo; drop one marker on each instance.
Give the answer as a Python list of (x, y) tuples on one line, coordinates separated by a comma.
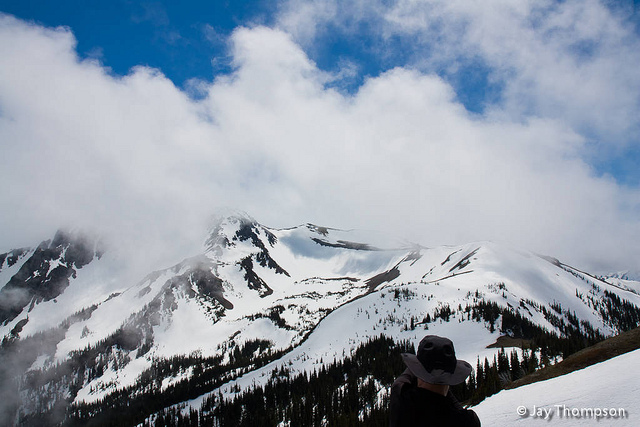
[(519, 121), (180, 38)]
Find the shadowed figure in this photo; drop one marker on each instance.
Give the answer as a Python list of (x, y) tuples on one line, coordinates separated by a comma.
[(421, 395)]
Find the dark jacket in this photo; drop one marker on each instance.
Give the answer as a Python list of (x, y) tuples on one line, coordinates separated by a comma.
[(412, 406)]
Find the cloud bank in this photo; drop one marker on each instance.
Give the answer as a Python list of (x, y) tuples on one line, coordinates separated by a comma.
[(137, 159), (571, 59)]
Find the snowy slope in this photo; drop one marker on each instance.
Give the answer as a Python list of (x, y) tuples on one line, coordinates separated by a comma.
[(294, 298), (603, 386), (453, 276), (630, 285)]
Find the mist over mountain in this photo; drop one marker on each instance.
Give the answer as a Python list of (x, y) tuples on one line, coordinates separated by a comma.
[(259, 310)]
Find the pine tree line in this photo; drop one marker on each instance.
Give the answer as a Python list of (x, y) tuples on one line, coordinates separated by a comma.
[(349, 392), (488, 378)]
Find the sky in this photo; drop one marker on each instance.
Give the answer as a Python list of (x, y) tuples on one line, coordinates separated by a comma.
[(441, 122)]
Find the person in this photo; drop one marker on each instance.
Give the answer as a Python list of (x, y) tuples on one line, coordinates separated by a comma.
[(421, 395)]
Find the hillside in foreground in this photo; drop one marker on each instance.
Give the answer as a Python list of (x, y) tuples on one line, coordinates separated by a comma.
[(604, 393)]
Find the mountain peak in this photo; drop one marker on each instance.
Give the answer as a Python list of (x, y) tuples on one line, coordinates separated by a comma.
[(224, 226), (46, 271), (226, 216)]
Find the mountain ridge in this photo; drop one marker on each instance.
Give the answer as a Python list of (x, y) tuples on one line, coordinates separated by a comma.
[(258, 300)]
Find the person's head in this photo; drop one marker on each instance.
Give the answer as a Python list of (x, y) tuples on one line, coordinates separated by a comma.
[(436, 363)]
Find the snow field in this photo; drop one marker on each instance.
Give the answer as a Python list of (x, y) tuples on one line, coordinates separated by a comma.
[(572, 400)]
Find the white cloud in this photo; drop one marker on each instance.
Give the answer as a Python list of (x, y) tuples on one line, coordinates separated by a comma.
[(574, 60), (138, 158)]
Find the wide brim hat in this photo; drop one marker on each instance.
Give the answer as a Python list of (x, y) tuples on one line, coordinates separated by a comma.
[(436, 362)]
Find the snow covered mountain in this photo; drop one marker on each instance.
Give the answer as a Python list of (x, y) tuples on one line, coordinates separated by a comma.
[(81, 345), (33, 276), (626, 275)]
